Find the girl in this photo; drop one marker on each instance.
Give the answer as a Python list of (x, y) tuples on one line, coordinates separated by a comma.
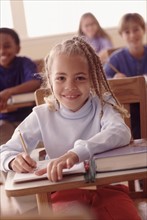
[(93, 33), (131, 60), (82, 118), (16, 76)]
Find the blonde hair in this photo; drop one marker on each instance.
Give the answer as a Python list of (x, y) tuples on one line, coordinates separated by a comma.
[(99, 84), (133, 17), (100, 31)]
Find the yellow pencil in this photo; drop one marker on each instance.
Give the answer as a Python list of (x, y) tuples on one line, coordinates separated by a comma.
[(113, 68), (23, 143)]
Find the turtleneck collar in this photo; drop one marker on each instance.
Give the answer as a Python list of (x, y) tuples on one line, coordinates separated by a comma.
[(82, 112)]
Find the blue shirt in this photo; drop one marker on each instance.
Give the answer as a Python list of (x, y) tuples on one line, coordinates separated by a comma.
[(98, 43), (125, 63), (21, 70)]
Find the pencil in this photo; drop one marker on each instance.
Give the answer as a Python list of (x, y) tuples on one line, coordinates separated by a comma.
[(113, 68), (23, 143)]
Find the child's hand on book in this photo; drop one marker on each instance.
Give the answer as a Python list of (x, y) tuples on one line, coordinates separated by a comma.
[(55, 167), (23, 163)]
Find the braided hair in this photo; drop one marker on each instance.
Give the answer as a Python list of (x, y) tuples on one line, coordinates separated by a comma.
[(99, 83)]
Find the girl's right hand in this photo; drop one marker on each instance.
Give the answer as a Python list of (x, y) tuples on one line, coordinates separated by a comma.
[(23, 163), (119, 76)]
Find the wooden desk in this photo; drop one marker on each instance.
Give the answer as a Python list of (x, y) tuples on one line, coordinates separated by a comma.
[(14, 107), (42, 188)]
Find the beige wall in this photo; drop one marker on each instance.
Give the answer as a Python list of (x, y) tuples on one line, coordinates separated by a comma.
[(37, 48)]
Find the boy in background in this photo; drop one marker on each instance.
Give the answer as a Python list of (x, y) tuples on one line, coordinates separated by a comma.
[(17, 75)]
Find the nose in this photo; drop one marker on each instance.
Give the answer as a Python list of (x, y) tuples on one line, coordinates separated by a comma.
[(70, 85), (132, 34)]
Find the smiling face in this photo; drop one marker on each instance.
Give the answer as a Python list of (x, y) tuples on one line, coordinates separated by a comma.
[(133, 35), (89, 27), (70, 81), (8, 50)]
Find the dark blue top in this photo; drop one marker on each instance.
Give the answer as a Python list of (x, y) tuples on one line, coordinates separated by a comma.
[(21, 70), (126, 63)]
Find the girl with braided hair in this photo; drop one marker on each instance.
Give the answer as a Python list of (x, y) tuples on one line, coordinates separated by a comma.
[(80, 118)]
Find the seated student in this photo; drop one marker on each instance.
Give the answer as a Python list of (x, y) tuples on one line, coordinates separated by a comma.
[(16, 76), (95, 35), (83, 104), (131, 60)]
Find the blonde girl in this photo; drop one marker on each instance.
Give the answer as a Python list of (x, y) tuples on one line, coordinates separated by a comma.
[(81, 118), (95, 35)]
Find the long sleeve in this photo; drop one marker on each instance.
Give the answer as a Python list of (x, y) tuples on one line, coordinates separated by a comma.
[(31, 134), (114, 133)]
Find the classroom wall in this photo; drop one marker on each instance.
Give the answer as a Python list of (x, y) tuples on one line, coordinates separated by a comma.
[(37, 48)]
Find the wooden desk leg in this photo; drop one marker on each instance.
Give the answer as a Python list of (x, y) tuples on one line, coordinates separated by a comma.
[(44, 203)]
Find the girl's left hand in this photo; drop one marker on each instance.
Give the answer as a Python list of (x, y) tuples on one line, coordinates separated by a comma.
[(55, 167)]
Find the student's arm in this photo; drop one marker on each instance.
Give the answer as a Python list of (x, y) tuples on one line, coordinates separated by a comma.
[(114, 133), (29, 83), (116, 62), (13, 150)]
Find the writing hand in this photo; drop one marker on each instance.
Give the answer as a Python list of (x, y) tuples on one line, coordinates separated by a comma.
[(119, 76), (55, 167), (23, 163)]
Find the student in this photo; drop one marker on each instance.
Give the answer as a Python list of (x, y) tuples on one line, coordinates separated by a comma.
[(131, 60), (82, 118), (95, 35), (16, 76)]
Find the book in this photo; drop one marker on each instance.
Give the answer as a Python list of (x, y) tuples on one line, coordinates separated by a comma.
[(120, 159), (133, 156), (121, 162), (25, 177), (21, 98)]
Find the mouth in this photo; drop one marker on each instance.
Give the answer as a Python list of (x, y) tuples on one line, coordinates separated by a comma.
[(3, 58), (71, 97)]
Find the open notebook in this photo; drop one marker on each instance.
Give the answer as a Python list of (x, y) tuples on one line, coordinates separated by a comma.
[(23, 177), (120, 159)]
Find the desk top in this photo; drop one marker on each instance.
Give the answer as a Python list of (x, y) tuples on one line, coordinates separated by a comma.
[(14, 107), (69, 182)]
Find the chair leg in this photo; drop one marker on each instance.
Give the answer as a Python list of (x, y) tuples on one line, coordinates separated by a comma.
[(131, 184), (145, 187)]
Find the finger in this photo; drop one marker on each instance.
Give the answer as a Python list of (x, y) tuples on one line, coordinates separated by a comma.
[(69, 163), (41, 172), (29, 160), (52, 171), (60, 168), (24, 165), (16, 167)]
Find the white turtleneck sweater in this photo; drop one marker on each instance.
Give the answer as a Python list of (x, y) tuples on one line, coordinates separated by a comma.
[(83, 132)]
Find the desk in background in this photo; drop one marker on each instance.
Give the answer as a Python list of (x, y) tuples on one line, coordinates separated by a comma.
[(14, 107)]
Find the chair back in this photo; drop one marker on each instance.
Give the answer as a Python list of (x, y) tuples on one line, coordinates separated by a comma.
[(132, 90), (40, 94)]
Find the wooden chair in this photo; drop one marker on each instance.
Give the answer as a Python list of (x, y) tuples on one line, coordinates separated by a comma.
[(132, 90), (128, 91), (40, 65), (40, 94)]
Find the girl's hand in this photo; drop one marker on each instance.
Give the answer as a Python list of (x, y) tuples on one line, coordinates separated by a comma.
[(119, 76), (55, 167), (23, 163)]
